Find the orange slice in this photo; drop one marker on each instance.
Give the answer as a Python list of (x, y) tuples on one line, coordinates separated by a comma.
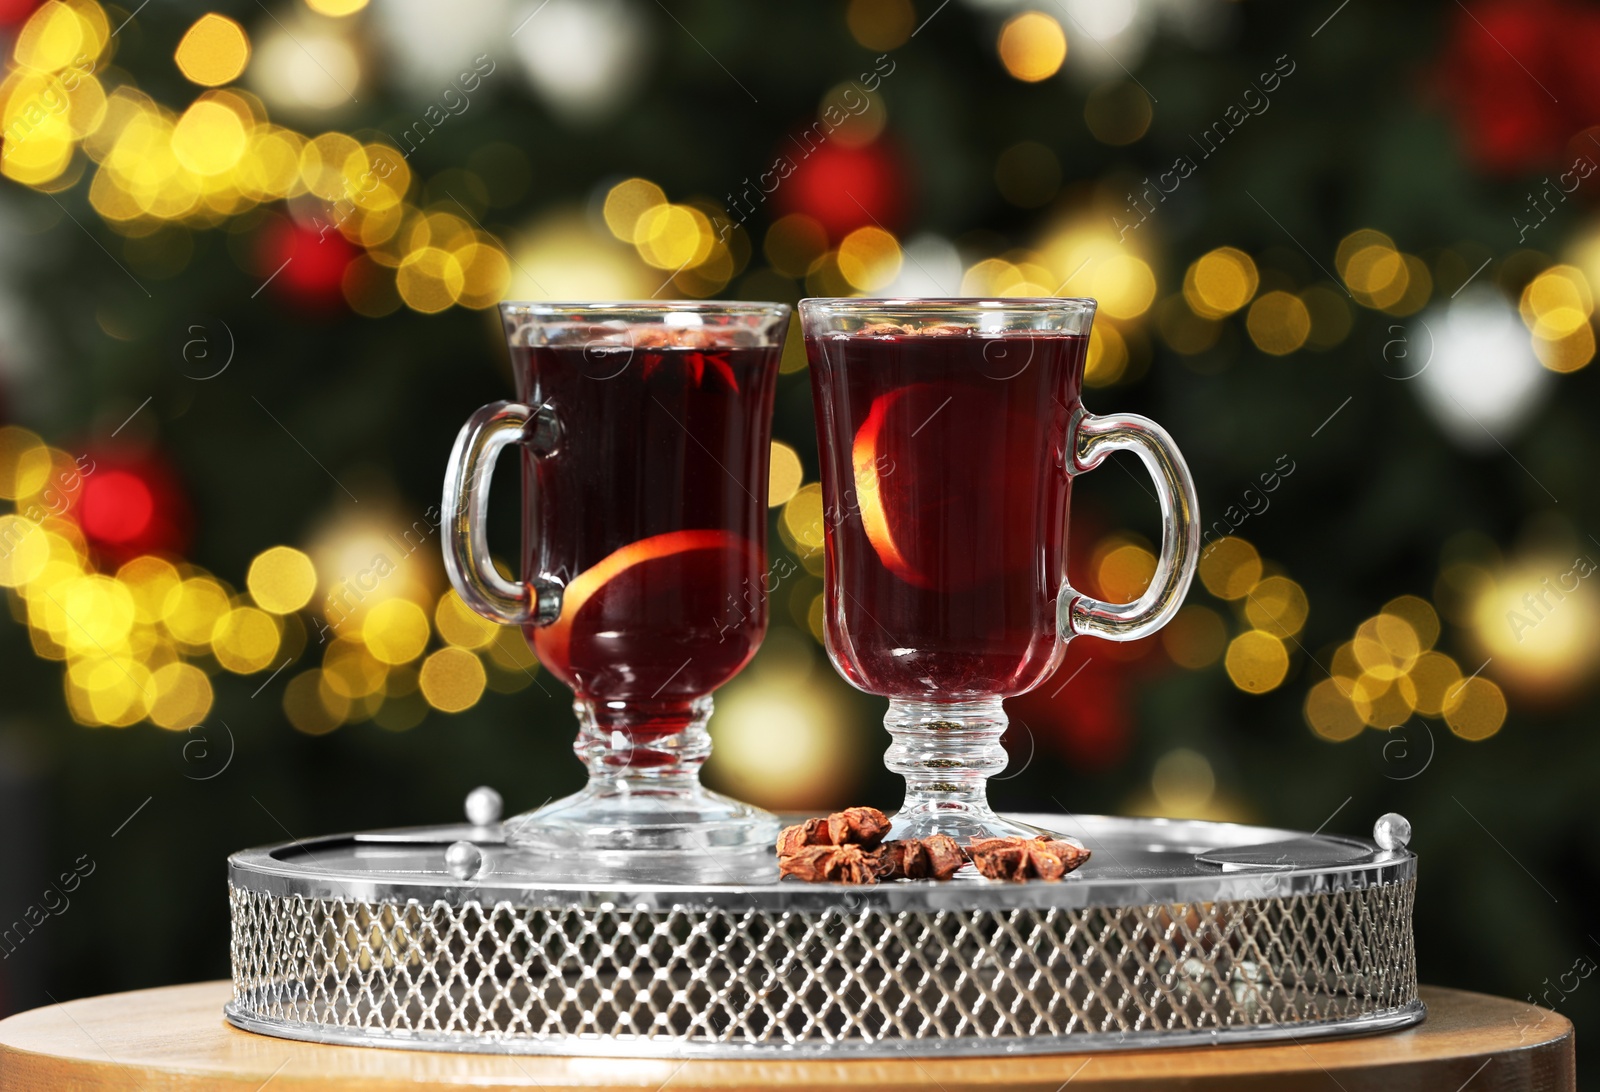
[(613, 572), (868, 456), (950, 484)]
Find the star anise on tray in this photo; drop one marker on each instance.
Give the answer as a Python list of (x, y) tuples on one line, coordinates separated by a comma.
[(848, 847), (1019, 859)]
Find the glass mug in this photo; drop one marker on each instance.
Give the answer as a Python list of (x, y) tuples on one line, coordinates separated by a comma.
[(951, 430), (645, 433)]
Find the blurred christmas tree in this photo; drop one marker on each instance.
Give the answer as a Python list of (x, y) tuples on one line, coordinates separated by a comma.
[(247, 266)]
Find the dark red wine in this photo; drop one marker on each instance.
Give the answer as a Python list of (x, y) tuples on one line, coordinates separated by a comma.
[(652, 512), (945, 494)]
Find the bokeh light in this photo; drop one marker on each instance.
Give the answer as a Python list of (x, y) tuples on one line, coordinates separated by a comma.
[(1220, 282), (281, 579), (452, 679), (784, 476), (1229, 568), (213, 51), (1032, 46)]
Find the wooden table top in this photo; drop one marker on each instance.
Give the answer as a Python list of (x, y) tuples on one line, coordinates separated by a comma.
[(174, 1039)]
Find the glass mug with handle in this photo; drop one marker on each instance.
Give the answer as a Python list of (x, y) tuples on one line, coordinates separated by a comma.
[(645, 433), (951, 430)]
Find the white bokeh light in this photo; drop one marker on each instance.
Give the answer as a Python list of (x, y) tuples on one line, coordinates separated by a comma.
[(1472, 365)]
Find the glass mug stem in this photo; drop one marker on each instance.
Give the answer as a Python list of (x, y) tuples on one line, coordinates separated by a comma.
[(947, 751)]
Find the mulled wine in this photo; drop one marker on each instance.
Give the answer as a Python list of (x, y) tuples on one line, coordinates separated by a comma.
[(654, 519), (945, 487)]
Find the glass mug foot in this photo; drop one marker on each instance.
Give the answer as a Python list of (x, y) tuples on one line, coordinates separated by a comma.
[(644, 812), (947, 751)]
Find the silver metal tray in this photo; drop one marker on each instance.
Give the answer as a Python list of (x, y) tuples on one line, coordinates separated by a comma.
[(1175, 933)]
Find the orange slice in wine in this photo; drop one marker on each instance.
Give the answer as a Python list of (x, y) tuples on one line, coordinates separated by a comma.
[(714, 561), (873, 465), (948, 481)]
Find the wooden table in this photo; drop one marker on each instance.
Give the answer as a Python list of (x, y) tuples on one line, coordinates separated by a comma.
[(175, 1040)]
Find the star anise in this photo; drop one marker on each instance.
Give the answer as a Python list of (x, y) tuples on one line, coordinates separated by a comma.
[(1019, 859)]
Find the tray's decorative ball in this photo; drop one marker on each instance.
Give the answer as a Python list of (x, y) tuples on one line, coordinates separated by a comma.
[(1392, 831), (463, 859), (483, 806)]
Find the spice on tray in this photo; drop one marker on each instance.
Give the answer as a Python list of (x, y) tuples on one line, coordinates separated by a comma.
[(848, 847), (937, 858), (857, 827), (1019, 859), (824, 864)]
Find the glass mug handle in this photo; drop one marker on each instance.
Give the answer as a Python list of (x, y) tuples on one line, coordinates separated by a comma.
[(466, 499), (1089, 440)]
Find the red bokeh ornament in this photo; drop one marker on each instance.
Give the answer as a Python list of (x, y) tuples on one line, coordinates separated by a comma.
[(1521, 79), (130, 505), (305, 264), (844, 188)]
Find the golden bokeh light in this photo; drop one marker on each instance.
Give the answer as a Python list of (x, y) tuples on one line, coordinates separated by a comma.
[(183, 696), (213, 51), (869, 258), (452, 679), (1277, 605), (1124, 285), (24, 552), (1256, 661), (1107, 358), (336, 9), (1195, 638), (191, 610), (210, 138), (1433, 676), (281, 579), (1032, 46), (1279, 323), (24, 463), (1330, 711), (802, 518), (1229, 568), (430, 279), (310, 707), (784, 476), (351, 671), (673, 236), (462, 626), (880, 24), (1417, 613), (1557, 306), (245, 640), (1124, 572), (1220, 282), (1475, 708), (626, 202), (395, 631)]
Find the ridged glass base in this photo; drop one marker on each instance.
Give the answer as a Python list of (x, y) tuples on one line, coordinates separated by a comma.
[(644, 813), (947, 751)]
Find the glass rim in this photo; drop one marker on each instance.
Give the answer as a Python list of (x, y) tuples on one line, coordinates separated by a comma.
[(644, 307), (847, 305)]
